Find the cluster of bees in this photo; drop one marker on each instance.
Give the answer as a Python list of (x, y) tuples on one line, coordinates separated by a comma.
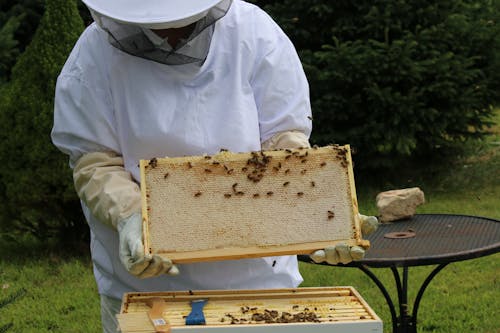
[(255, 168), (271, 316)]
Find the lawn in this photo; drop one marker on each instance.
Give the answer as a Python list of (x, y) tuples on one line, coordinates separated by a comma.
[(46, 290)]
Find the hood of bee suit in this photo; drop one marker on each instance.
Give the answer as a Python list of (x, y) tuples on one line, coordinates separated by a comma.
[(153, 14), (131, 32)]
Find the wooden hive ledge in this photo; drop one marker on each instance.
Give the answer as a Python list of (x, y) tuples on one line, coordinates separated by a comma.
[(243, 205)]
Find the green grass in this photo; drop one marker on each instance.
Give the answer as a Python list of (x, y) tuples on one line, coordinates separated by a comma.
[(45, 290), (56, 293), (463, 297)]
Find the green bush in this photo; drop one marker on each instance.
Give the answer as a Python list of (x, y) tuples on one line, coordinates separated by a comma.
[(396, 79), (8, 47), (18, 22), (36, 191)]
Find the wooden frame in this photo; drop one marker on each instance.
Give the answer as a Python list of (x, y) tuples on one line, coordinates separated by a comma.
[(244, 205)]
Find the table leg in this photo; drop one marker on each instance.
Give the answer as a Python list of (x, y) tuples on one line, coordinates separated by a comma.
[(384, 291), (423, 287), (406, 322)]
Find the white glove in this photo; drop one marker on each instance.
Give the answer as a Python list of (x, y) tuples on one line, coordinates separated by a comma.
[(288, 139), (343, 253), (340, 253), (368, 224), (132, 253)]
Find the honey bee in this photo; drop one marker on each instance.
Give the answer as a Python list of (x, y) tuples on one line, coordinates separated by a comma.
[(300, 194), (197, 194), (286, 183), (153, 162)]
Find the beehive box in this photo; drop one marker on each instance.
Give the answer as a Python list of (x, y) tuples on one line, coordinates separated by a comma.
[(328, 309), (242, 205)]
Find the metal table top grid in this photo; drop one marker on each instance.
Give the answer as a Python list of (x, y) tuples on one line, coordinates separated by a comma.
[(439, 238)]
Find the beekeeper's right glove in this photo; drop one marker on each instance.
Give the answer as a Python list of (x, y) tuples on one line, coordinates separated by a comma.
[(113, 197), (132, 253)]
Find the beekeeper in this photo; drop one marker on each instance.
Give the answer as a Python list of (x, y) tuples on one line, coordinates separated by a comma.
[(171, 78)]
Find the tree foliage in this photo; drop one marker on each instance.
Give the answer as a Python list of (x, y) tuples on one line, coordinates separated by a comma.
[(393, 78), (8, 47), (36, 191), (18, 22)]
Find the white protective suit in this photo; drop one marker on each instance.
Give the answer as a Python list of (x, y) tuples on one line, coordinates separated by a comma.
[(250, 88)]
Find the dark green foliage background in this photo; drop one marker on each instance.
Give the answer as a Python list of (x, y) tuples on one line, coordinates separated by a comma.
[(36, 191), (400, 81)]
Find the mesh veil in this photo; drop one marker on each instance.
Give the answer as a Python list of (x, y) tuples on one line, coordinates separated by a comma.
[(132, 39)]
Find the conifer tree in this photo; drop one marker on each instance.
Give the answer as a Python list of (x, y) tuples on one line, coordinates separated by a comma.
[(36, 191)]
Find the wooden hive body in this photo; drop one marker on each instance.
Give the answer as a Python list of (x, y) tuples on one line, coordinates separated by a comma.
[(241, 205), (326, 309)]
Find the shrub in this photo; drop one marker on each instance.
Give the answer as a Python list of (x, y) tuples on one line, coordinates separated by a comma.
[(18, 22), (393, 78), (36, 191), (8, 47)]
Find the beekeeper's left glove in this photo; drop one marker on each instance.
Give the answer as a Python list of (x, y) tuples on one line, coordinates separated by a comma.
[(132, 256), (368, 224), (340, 253), (343, 253)]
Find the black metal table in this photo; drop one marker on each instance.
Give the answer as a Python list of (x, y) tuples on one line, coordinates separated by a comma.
[(425, 239)]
